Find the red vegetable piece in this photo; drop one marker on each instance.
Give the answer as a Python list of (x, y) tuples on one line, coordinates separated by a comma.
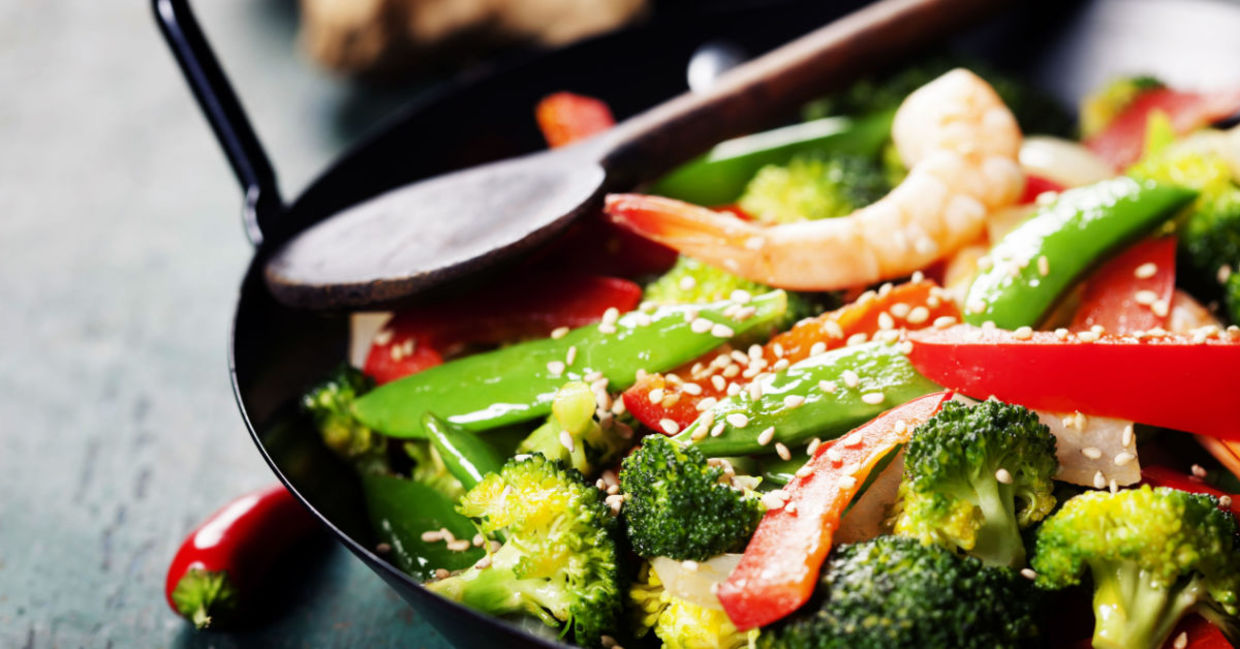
[(533, 305), (1200, 633), (226, 557), (1174, 381), (1123, 141), (1161, 476), (1035, 186), (781, 563), (1111, 299), (565, 118)]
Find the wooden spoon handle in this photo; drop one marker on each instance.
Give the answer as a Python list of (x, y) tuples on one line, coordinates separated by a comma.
[(753, 95)]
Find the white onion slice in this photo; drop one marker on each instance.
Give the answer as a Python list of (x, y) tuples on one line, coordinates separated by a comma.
[(1088, 446), (696, 585), (865, 520), (1062, 161), (362, 329), (1188, 314)]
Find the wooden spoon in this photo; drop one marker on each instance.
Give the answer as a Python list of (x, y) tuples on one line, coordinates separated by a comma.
[(419, 236)]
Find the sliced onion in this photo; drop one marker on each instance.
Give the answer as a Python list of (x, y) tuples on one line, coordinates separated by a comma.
[(866, 519), (695, 582), (1062, 161), (362, 329), (1089, 446), (1188, 314)]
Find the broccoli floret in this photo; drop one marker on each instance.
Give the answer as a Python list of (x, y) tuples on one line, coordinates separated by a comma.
[(1231, 296), (895, 593), (975, 475), (809, 188), (679, 623), (594, 445), (690, 281), (1154, 555), (429, 469), (1101, 106), (559, 560), (329, 406), (681, 506)]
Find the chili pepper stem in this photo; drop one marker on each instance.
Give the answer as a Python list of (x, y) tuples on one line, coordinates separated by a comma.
[(201, 595)]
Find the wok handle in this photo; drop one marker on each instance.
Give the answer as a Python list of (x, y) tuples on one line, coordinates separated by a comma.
[(224, 112)]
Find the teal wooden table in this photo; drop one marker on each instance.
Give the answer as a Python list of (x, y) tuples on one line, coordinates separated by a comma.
[(120, 253)]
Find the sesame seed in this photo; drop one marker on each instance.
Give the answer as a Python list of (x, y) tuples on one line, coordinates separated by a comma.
[(383, 337), (1028, 573), (1061, 333), (605, 328), (700, 325), (873, 398), (766, 436), (1087, 336), (1003, 476), (556, 368), (778, 349), (690, 565), (722, 331), (691, 388), (847, 482), (917, 277), (460, 545), (1098, 329), (944, 321), (641, 319), (988, 325), (1145, 271), (794, 401), (741, 296), (1100, 481), (833, 454), (717, 430), (813, 446), (566, 440), (731, 370), (827, 386), (1044, 266), (817, 348), (1161, 308), (856, 339), (1224, 501), (900, 310), (781, 365), (791, 508), (885, 321), (782, 451), (1126, 436), (833, 329), (397, 352), (670, 427), (772, 501), (755, 390), (734, 389), (1224, 274), (1124, 458), (607, 641), (1023, 333), (478, 540), (1181, 641), (432, 536), (571, 355), (737, 420), (1199, 471), (611, 315), (483, 563), (442, 573), (976, 305), (853, 441), (687, 283), (559, 332), (1145, 297), (804, 470), (850, 378), (718, 382), (656, 395), (1113, 486), (1091, 452)]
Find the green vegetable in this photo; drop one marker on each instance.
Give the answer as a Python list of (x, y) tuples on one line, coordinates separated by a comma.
[(690, 281), (952, 493), (401, 510), (1154, 555), (809, 188), (1072, 234), (430, 469), (594, 445), (1035, 111), (329, 406), (680, 506), (679, 623), (1103, 105), (720, 176), (559, 561), (1231, 296), (467, 457), (880, 369), (895, 593), (518, 383)]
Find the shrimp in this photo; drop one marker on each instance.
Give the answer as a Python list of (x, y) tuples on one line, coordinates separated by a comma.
[(961, 145)]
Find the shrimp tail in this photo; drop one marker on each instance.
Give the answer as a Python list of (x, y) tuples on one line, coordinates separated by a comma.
[(691, 229)]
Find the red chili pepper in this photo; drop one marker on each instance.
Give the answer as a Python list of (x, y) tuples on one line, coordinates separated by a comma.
[(923, 302), (565, 118), (1035, 186), (1123, 141), (533, 305), (1125, 294), (226, 557), (1174, 381), (1161, 476), (777, 573)]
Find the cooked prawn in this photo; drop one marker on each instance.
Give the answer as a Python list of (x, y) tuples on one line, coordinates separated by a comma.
[(960, 144)]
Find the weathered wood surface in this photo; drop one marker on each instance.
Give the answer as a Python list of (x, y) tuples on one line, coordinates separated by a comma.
[(120, 253)]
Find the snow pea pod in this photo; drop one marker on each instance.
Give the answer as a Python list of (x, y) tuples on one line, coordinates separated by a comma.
[(468, 457), (1039, 260), (518, 383), (402, 510), (720, 176), (822, 396)]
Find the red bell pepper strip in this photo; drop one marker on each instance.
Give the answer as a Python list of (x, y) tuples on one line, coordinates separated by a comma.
[(1174, 381), (1123, 141), (912, 305), (1035, 186), (779, 569), (533, 305), (1160, 476), (1196, 629), (1132, 292), (565, 118), (225, 558)]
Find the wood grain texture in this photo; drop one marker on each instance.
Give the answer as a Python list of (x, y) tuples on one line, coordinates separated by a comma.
[(120, 255)]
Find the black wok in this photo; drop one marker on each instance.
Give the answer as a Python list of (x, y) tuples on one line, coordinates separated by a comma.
[(1064, 47)]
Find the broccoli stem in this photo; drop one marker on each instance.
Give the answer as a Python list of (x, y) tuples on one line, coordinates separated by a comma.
[(498, 590), (998, 539), (1131, 612)]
